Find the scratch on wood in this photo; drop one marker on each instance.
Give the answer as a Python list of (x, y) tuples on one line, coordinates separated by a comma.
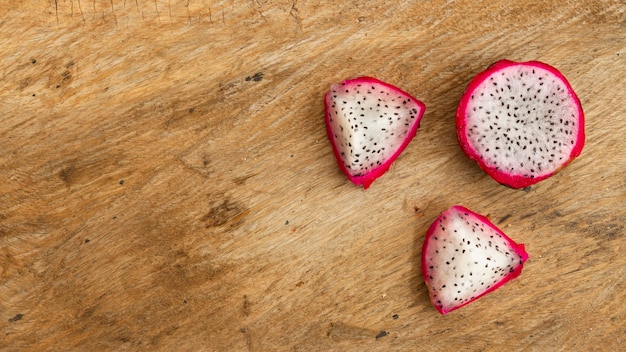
[(113, 12), (56, 10), (156, 7), (127, 13), (169, 10), (244, 330), (524, 216), (293, 12), (81, 11), (260, 10), (138, 9), (188, 13)]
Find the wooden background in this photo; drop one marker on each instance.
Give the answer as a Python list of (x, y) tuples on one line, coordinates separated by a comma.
[(166, 182)]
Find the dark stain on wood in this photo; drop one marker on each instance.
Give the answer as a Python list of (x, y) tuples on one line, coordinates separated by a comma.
[(255, 77), (66, 174), (227, 212), (246, 305), (382, 333), (504, 218), (17, 317), (242, 180)]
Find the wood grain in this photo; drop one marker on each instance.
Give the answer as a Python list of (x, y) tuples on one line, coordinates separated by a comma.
[(166, 182)]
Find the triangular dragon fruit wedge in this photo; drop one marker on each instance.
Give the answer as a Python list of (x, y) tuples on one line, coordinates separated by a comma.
[(369, 123), (521, 122), (465, 256)]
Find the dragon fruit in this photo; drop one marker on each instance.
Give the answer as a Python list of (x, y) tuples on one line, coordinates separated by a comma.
[(369, 123), (521, 122), (465, 256)]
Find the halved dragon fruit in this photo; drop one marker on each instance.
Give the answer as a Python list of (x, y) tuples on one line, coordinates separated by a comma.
[(521, 122), (369, 123), (465, 256)]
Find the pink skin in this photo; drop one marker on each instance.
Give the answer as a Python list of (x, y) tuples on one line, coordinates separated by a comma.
[(366, 180), (514, 181), (518, 248)]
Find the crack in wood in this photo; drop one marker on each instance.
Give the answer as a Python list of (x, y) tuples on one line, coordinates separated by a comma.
[(80, 8), (113, 12), (188, 13), (293, 12), (169, 9), (156, 7), (56, 10)]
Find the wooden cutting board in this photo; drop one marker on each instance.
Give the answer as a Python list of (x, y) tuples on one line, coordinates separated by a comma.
[(166, 182)]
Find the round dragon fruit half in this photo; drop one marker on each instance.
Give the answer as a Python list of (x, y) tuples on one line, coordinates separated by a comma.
[(520, 121)]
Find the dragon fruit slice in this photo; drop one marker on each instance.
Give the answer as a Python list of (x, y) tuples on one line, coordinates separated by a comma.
[(521, 122), (465, 256), (369, 123)]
